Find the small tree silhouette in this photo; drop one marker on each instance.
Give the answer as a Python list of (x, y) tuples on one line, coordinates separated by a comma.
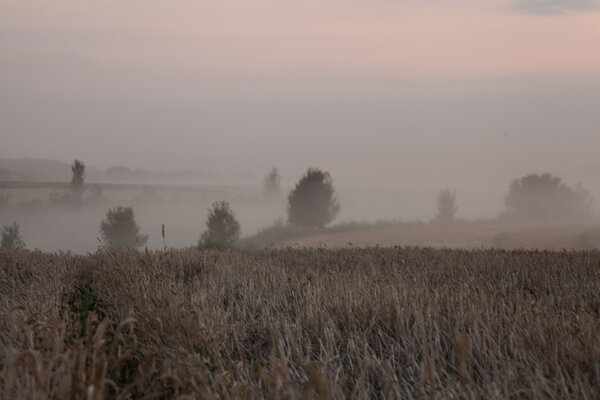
[(446, 206), (11, 239), (223, 229), (272, 184), (119, 229), (78, 176), (313, 203)]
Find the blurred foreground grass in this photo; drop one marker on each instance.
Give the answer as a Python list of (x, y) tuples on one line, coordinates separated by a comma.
[(300, 323)]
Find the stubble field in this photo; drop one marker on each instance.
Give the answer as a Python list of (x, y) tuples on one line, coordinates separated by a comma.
[(300, 323)]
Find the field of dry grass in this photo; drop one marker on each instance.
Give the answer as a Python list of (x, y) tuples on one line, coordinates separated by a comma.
[(352, 323), (473, 235)]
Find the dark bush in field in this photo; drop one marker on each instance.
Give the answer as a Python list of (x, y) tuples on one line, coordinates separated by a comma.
[(223, 229), (119, 229), (313, 203), (11, 238)]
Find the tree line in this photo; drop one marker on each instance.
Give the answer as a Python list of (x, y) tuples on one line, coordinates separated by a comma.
[(313, 203)]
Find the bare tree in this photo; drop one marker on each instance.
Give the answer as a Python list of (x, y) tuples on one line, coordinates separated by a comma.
[(446, 206)]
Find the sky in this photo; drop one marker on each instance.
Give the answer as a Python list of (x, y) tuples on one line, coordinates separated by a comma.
[(405, 95)]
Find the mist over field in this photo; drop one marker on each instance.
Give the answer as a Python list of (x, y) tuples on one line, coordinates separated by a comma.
[(395, 100), (285, 199)]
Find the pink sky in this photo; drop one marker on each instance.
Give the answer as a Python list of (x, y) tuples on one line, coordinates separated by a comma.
[(468, 93), (438, 40)]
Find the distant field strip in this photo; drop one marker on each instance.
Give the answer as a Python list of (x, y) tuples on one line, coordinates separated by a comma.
[(470, 235)]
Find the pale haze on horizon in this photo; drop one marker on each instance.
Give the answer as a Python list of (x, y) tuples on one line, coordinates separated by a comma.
[(394, 99)]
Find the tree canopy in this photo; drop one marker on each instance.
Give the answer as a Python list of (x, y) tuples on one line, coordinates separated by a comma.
[(313, 202), (546, 197), (11, 238), (119, 229), (78, 175), (272, 184), (446, 206), (223, 229)]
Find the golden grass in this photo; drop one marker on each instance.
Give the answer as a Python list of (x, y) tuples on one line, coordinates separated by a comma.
[(353, 323)]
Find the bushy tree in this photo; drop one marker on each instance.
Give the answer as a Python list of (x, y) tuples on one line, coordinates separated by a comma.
[(272, 184), (78, 176), (546, 197), (119, 229), (11, 238), (446, 206), (223, 229), (313, 202)]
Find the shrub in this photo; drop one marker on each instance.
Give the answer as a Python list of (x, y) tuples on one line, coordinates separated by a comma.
[(11, 238), (446, 206), (223, 229), (119, 229), (313, 203), (546, 197), (83, 302)]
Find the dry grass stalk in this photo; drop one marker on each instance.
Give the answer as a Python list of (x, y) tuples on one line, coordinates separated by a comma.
[(353, 323)]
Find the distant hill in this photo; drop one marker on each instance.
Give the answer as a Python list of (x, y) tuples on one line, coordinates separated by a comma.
[(28, 169), (41, 170)]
